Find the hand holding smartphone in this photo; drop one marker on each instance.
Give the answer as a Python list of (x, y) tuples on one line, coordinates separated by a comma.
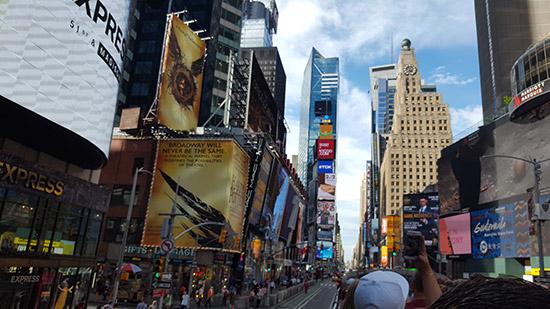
[(413, 242)]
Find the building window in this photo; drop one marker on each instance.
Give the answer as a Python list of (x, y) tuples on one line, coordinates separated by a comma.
[(140, 89), (115, 230), (121, 195)]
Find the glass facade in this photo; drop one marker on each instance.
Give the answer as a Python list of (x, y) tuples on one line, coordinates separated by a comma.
[(321, 83), (29, 223), (533, 66)]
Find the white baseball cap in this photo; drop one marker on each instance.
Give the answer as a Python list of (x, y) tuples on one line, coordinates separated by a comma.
[(381, 290)]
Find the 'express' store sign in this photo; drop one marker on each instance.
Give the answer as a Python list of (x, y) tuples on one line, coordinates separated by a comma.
[(36, 181)]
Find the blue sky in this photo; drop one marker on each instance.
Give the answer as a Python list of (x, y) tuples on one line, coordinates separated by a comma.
[(359, 32)]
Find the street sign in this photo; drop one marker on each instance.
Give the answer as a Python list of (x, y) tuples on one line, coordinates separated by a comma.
[(166, 276), (542, 279), (161, 285), (167, 246), (158, 293), (208, 275)]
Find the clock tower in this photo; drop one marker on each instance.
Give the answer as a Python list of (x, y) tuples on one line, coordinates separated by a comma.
[(421, 128)]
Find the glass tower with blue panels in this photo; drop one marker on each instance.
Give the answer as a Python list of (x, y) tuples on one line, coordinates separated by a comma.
[(319, 103)]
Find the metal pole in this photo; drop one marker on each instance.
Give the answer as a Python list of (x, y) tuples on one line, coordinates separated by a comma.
[(537, 172), (125, 236), (169, 236), (192, 268)]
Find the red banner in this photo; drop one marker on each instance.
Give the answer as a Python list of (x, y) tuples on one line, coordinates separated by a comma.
[(325, 149)]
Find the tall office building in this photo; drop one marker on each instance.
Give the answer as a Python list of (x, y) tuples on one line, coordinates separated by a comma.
[(259, 23), (319, 102), (382, 85), (421, 128), (505, 29), (216, 21)]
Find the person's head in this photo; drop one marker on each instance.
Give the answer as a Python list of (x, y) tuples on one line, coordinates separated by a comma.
[(417, 285), (481, 292), (382, 290), (423, 201), (325, 207), (154, 303), (349, 302), (142, 300)]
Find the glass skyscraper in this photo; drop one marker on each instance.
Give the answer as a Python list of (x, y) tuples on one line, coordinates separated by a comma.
[(319, 102)]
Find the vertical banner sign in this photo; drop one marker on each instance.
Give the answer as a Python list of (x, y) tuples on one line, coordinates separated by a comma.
[(325, 131), (181, 81), (397, 232), (212, 187), (384, 256), (390, 232), (256, 246), (384, 225)]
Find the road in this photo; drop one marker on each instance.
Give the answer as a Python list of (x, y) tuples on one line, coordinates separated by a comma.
[(319, 296)]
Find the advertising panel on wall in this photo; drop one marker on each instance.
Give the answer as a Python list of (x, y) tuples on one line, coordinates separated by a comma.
[(384, 256), (262, 109), (325, 167), (325, 149), (261, 187), (62, 60), (181, 81), (384, 225), (212, 177), (275, 199), (500, 232), (324, 250), (325, 214), (290, 213), (455, 235), (325, 131), (324, 235), (327, 187), (420, 213), (466, 180)]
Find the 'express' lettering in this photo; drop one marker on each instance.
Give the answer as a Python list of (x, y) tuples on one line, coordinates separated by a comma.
[(20, 176)]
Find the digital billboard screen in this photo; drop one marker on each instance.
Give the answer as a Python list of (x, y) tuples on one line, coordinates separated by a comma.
[(324, 250), (62, 60), (325, 214), (455, 235), (327, 187), (325, 167), (325, 149), (261, 188), (420, 213), (501, 232), (274, 203)]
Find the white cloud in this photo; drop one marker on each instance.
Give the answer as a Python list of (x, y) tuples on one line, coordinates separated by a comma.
[(464, 118), (440, 76)]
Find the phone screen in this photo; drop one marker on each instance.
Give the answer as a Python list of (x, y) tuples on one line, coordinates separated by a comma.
[(412, 244)]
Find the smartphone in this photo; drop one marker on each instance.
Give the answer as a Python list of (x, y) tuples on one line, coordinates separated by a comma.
[(413, 242)]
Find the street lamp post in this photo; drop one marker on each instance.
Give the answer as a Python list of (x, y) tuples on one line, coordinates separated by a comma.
[(126, 229), (536, 172)]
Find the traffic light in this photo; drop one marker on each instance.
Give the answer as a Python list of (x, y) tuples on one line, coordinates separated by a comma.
[(157, 275), (161, 264), (237, 243), (394, 253), (223, 234)]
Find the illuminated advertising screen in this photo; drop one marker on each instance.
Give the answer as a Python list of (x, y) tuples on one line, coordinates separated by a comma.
[(324, 235), (181, 81), (384, 225), (291, 212), (325, 131), (325, 214), (62, 60), (384, 256), (420, 213), (327, 187), (262, 109), (325, 167), (467, 179), (501, 232), (324, 250), (261, 187), (325, 149), (212, 177), (455, 235), (274, 204)]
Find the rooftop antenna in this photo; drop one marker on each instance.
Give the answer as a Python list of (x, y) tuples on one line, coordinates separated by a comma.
[(391, 44)]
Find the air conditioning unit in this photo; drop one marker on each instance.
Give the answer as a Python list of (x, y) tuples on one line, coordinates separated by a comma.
[(543, 210)]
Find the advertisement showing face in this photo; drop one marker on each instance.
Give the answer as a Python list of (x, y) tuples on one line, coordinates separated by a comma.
[(62, 59), (181, 82), (206, 180), (455, 235), (501, 232), (420, 213), (325, 214)]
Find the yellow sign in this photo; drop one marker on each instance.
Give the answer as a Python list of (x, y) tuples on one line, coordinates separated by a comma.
[(181, 81), (256, 246), (325, 131), (536, 271), (212, 176), (384, 256), (208, 274)]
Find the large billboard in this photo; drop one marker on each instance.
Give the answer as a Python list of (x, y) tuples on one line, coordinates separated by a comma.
[(62, 60), (455, 235), (324, 250), (261, 188), (181, 81), (325, 214), (325, 149), (420, 213), (290, 217), (501, 232), (212, 177), (275, 199), (325, 131), (262, 109), (327, 187), (325, 167), (468, 180)]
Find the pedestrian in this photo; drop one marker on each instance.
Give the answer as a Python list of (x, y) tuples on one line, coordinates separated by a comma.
[(108, 305), (201, 296), (81, 304), (225, 294), (232, 294), (252, 296), (381, 289), (419, 300), (153, 305), (349, 302), (209, 295), (168, 300), (272, 285), (142, 304), (259, 297), (182, 290), (306, 286), (184, 300)]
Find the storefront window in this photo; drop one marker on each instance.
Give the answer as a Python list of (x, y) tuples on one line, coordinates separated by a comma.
[(49, 227), (37, 226), (66, 231), (82, 232), (67, 283), (16, 220), (92, 234)]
